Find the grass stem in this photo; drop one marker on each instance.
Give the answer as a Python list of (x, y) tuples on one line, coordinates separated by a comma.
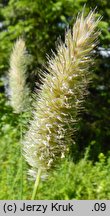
[(21, 186), (36, 184)]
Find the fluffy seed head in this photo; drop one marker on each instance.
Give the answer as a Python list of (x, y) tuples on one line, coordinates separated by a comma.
[(60, 99), (19, 92)]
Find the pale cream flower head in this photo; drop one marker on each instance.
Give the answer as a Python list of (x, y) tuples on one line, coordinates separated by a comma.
[(19, 91), (56, 109)]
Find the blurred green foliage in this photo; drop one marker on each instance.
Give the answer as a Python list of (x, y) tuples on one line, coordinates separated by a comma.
[(82, 181), (94, 127), (10, 153), (41, 22)]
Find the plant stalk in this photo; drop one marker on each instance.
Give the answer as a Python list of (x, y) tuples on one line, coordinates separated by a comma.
[(21, 189), (36, 184)]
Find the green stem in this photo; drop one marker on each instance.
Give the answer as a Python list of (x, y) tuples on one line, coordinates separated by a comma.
[(17, 176), (36, 184), (21, 160)]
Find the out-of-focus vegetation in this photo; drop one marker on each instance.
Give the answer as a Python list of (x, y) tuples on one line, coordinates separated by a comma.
[(41, 22), (78, 181)]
